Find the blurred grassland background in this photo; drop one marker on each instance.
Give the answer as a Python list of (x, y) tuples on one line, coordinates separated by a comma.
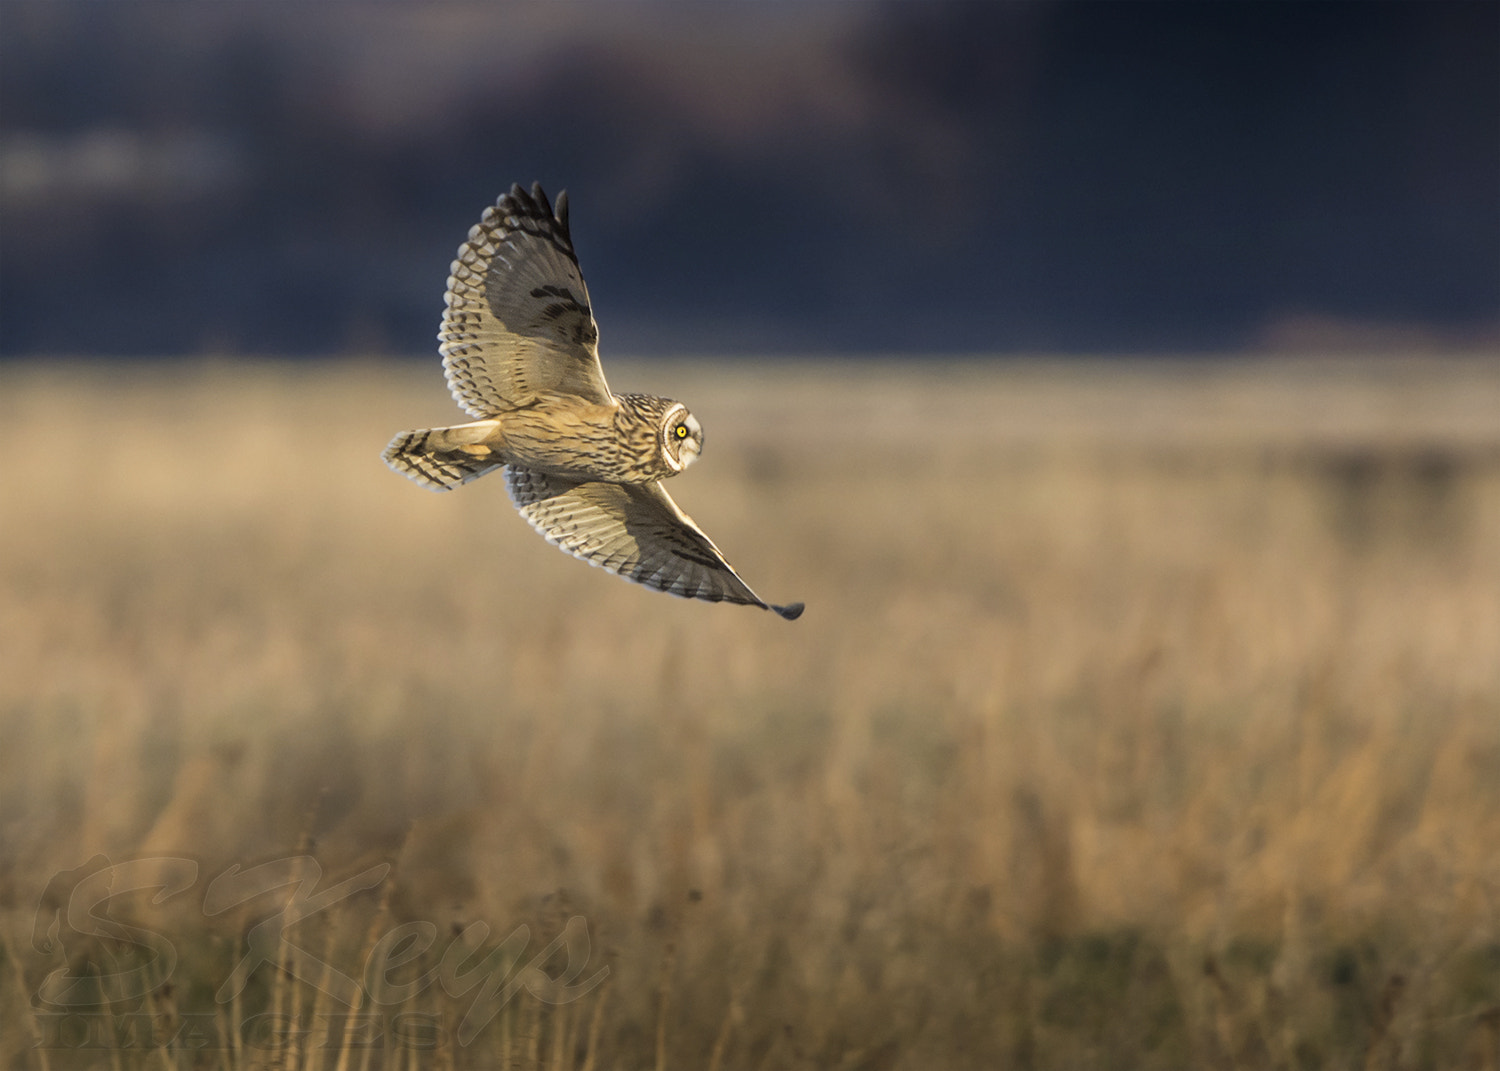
[(1142, 715)]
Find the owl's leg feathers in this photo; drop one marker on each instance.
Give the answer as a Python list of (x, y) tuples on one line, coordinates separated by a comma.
[(444, 458)]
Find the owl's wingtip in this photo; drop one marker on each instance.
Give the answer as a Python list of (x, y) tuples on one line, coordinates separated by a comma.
[(790, 612)]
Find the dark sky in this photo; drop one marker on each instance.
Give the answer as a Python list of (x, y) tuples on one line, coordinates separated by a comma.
[(756, 177)]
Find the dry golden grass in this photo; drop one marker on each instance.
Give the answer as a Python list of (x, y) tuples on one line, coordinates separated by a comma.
[(1141, 716)]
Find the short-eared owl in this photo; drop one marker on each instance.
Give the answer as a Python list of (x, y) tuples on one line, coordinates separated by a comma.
[(584, 466)]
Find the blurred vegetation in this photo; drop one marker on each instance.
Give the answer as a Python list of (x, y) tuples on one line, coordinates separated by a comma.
[(1141, 716)]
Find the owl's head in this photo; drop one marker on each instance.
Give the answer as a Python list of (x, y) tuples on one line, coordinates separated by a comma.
[(681, 437)]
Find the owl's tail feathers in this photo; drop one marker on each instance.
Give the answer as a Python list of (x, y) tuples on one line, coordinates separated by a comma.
[(444, 458)]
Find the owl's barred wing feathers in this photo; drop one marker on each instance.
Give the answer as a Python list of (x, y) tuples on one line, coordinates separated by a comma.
[(634, 530), (518, 320)]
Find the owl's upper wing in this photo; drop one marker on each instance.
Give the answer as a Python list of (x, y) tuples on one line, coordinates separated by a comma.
[(518, 320), (634, 530)]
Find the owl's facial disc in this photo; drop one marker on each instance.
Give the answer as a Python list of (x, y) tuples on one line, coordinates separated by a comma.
[(692, 444), (682, 438)]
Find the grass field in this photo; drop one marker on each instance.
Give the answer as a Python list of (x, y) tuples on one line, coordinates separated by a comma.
[(1142, 716)]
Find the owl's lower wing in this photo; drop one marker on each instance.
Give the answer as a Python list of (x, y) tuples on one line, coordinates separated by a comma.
[(518, 321), (634, 530)]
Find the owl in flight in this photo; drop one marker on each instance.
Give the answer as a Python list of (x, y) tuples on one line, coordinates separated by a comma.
[(584, 466)]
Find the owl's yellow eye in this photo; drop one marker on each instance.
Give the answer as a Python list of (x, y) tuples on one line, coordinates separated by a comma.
[(682, 431)]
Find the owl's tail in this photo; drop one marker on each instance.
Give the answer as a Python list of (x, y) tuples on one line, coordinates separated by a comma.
[(444, 458)]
